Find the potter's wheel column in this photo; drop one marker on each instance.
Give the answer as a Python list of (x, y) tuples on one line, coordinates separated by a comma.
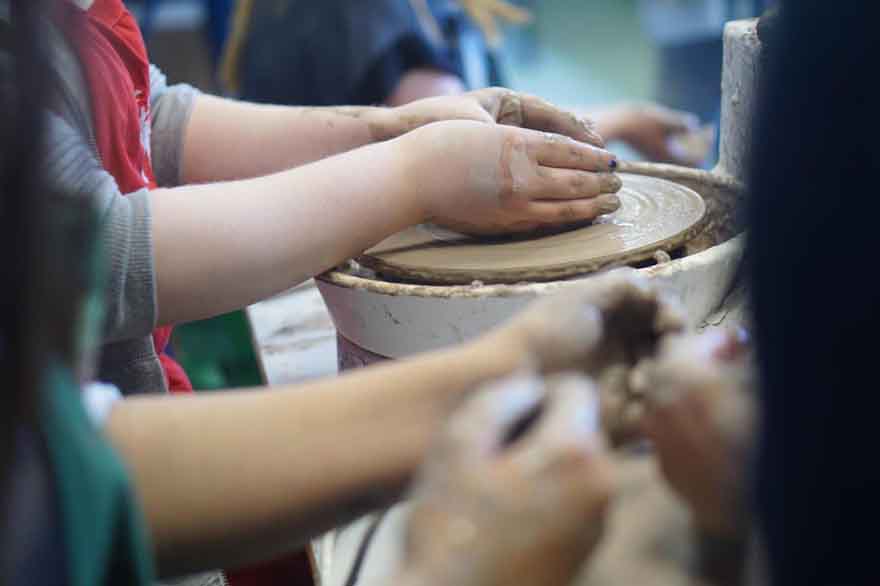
[(739, 92)]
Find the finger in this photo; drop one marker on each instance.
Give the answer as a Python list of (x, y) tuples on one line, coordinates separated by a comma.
[(481, 424), (559, 184), (538, 114), (511, 13), (562, 152), (561, 212), (676, 121), (570, 421)]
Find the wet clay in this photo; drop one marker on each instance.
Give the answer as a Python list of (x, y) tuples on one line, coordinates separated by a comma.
[(655, 215)]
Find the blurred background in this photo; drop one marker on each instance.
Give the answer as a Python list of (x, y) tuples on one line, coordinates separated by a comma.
[(577, 53), (558, 56)]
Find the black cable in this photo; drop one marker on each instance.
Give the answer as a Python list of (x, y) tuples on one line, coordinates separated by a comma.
[(363, 548)]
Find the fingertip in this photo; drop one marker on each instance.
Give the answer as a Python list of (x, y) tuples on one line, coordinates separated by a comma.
[(607, 204)]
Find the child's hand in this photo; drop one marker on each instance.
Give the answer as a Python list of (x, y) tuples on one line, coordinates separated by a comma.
[(610, 320), (700, 417), (492, 513), (657, 133), (492, 105), (490, 178)]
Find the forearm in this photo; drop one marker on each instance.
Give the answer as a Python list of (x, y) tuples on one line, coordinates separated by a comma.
[(227, 139), (221, 246), (234, 477)]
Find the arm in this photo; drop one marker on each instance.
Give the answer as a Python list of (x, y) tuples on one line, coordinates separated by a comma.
[(227, 139), (481, 176), (216, 249), (234, 477), (231, 477)]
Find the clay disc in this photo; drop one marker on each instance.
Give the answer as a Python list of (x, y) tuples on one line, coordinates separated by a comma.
[(655, 214)]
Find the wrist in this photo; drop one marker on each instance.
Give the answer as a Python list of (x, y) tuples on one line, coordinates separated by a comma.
[(409, 179), (416, 178)]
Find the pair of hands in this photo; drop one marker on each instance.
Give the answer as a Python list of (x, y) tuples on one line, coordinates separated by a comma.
[(496, 161), (657, 133), (518, 486), (700, 416)]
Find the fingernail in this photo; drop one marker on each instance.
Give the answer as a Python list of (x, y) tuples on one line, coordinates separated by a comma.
[(612, 164), (611, 183), (608, 203)]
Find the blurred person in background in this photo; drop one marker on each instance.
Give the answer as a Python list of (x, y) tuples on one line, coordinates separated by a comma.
[(688, 36), (345, 52)]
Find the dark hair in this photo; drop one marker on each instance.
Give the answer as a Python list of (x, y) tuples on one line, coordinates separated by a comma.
[(45, 236), (20, 126), (813, 230)]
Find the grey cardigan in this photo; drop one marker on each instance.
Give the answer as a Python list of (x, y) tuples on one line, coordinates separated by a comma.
[(128, 356)]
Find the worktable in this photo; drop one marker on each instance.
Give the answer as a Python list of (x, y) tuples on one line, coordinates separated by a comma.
[(294, 338)]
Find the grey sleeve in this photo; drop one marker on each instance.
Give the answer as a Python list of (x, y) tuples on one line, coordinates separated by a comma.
[(130, 294), (171, 107)]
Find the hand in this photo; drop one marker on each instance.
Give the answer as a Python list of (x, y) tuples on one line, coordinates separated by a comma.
[(657, 133), (493, 512), (491, 179), (601, 323), (485, 12), (700, 417), (491, 105)]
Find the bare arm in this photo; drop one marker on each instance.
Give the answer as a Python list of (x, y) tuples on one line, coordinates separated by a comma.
[(234, 477), (227, 139), (221, 246)]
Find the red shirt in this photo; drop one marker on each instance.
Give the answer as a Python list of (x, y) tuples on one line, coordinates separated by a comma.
[(117, 71)]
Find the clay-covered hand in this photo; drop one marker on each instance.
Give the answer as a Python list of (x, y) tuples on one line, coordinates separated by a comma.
[(493, 105), (486, 13), (609, 320), (493, 507), (700, 416), (493, 179), (657, 133)]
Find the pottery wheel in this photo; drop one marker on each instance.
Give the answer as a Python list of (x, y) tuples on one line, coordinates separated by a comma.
[(655, 214)]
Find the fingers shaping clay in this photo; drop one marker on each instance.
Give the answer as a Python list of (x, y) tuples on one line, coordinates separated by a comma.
[(654, 215)]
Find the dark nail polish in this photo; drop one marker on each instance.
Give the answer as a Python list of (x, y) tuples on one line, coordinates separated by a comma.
[(613, 164)]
